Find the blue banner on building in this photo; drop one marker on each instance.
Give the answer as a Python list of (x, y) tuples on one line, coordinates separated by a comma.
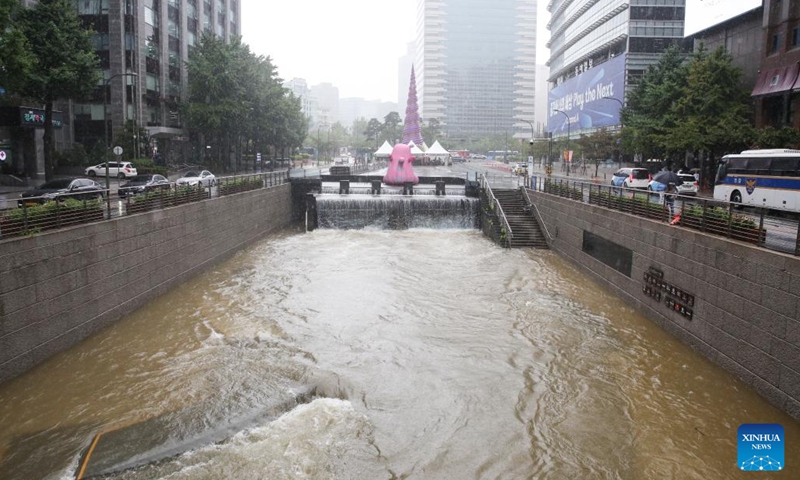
[(588, 99)]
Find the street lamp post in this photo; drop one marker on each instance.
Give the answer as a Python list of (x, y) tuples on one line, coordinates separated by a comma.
[(105, 132), (621, 106), (531, 124), (564, 113)]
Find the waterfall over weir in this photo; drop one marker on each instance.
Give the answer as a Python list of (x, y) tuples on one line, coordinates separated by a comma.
[(396, 212)]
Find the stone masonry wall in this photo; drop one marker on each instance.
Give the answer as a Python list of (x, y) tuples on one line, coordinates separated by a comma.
[(58, 288), (747, 300)]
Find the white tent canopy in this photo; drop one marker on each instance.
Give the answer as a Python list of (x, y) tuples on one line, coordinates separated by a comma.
[(437, 150), (384, 151), (415, 150)]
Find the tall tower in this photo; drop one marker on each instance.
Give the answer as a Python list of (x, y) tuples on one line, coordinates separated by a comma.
[(411, 128), (476, 66)]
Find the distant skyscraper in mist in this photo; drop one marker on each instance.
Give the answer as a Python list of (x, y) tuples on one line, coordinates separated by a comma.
[(476, 66)]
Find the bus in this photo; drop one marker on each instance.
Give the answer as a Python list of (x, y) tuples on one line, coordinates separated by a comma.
[(500, 155), (761, 178)]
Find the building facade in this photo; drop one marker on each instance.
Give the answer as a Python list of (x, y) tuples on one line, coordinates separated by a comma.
[(741, 37), (775, 95), (476, 66), (584, 35), (151, 39)]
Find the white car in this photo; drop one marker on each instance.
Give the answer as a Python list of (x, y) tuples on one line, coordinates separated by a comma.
[(631, 178), (192, 179), (115, 169), (689, 185)]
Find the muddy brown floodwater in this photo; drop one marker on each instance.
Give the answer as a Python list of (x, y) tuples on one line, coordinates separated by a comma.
[(430, 355)]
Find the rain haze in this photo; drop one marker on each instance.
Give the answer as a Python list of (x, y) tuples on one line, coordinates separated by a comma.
[(355, 44)]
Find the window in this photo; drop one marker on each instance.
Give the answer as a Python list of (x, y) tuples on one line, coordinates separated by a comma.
[(775, 43), (796, 37), (150, 17)]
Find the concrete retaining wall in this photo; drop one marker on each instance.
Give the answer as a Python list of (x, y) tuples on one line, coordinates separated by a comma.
[(746, 314), (58, 288)]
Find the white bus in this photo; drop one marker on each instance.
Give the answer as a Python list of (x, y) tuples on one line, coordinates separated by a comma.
[(761, 178)]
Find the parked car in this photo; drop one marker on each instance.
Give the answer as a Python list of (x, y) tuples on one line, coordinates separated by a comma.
[(477, 157), (192, 179), (142, 184), (521, 169), (61, 189), (631, 178), (115, 169), (459, 159), (690, 185)]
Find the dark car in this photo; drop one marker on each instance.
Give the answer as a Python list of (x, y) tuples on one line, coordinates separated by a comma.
[(142, 184), (61, 189)]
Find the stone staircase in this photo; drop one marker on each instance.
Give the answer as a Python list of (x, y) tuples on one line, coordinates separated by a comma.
[(526, 230)]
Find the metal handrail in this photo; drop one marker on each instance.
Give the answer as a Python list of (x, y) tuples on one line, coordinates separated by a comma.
[(26, 220), (485, 185), (717, 217), (538, 213)]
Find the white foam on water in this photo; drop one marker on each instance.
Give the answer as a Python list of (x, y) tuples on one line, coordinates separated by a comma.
[(324, 439)]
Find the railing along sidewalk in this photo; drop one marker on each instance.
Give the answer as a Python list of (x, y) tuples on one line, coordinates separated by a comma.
[(485, 184), (36, 214), (773, 229)]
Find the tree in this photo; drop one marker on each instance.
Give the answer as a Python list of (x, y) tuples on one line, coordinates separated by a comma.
[(649, 114), (65, 64), (392, 127), (373, 130), (237, 105), (598, 146), (432, 130), (133, 140), (16, 58)]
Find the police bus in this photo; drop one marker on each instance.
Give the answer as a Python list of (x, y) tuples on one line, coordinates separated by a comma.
[(761, 178)]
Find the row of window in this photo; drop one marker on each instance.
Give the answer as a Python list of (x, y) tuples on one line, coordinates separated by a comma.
[(776, 41)]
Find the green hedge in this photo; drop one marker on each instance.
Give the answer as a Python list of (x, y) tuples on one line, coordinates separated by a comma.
[(146, 165), (33, 219)]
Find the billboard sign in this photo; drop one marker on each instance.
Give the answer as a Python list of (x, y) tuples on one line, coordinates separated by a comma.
[(585, 98)]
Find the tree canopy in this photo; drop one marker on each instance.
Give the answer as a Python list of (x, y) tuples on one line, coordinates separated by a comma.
[(55, 59), (236, 103)]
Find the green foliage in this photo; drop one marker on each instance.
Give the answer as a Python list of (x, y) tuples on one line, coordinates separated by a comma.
[(74, 157), (769, 137), (598, 146), (374, 131), (432, 131), (563, 190), (17, 61), (392, 128), (236, 102), (688, 105), (717, 216), (64, 62), (146, 165), (128, 138), (33, 219)]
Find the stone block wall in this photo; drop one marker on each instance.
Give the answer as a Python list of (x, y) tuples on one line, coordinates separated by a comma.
[(746, 314), (57, 288)]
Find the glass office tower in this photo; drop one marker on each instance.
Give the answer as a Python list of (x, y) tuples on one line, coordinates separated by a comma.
[(476, 66)]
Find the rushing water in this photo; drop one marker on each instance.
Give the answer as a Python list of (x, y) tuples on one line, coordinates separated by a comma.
[(433, 355), (395, 212)]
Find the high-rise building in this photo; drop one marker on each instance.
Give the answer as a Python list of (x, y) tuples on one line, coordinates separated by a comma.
[(327, 96), (597, 48), (476, 66), (151, 39)]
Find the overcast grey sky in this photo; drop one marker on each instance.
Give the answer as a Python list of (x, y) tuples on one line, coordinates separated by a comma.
[(355, 44)]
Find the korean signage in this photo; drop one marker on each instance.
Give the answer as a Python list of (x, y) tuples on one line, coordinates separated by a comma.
[(591, 99), (32, 117)]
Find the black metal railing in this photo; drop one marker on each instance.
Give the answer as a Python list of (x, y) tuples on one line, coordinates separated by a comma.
[(768, 228), (34, 215)]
